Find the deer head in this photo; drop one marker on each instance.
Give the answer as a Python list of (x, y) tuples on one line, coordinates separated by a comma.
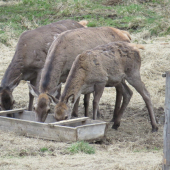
[(6, 97), (43, 101), (63, 110)]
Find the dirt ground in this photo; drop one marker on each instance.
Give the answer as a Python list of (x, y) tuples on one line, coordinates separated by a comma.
[(131, 147)]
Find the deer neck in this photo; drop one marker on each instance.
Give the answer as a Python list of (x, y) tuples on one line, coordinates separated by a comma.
[(52, 71), (12, 72), (73, 86)]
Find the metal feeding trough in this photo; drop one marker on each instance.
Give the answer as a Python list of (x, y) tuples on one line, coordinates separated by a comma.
[(68, 130)]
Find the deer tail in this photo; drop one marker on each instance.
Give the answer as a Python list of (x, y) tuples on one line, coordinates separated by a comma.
[(83, 22)]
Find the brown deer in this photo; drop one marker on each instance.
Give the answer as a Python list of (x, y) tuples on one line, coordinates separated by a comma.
[(107, 65), (60, 57), (29, 59)]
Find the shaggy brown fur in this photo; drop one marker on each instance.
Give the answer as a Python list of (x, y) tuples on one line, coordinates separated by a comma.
[(67, 46), (31, 52), (43, 95), (108, 65)]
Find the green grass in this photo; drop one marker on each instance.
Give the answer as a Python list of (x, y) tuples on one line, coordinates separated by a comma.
[(44, 149), (81, 147), (135, 17)]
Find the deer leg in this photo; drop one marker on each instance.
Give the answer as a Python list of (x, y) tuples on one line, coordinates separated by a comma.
[(86, 104), (136, 82), (31, 97), (98, 91), (118, 101), (98, 110), (75, 108), (127, 94)]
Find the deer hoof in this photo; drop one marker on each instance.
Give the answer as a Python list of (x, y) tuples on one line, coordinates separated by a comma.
[(74, 115), (154, 129), (115, 126)]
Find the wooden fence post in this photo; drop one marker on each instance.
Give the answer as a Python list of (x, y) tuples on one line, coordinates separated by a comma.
[(166, 155)]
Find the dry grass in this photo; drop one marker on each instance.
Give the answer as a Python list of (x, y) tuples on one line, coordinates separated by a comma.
[(132, 147), (9, 2), (14, 148)]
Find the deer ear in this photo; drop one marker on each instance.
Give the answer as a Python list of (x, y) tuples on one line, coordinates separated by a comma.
[(15, 82), (55, 91), (33, 90), (70, 99), (53, 99)]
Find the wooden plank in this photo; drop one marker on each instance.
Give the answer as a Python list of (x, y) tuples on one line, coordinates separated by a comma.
[(69, 130), (38, 130), (91, 131), (65, 122), (11, 111), (166, 157)]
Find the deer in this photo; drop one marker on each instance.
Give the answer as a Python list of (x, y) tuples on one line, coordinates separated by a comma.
[(104, 66), (29, 58), (61, 55)]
